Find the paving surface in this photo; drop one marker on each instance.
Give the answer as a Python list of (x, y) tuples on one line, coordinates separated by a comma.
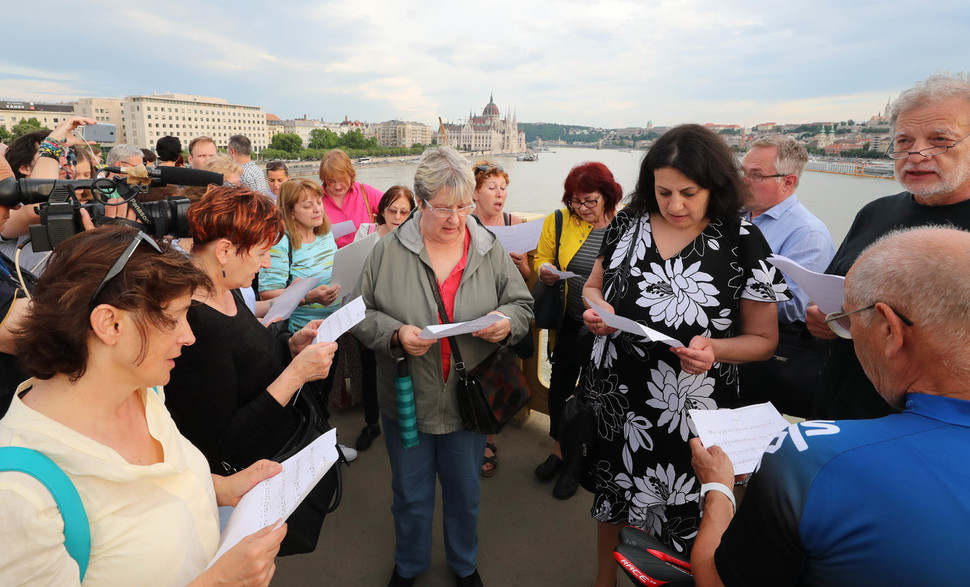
[(527, 537)]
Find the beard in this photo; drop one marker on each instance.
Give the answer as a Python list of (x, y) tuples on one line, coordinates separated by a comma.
[(946, 185)]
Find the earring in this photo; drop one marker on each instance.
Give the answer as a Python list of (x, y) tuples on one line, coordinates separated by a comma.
[(223, 271)]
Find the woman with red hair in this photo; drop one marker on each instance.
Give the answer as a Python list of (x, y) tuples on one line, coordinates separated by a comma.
[(231, 391), (590, 195)]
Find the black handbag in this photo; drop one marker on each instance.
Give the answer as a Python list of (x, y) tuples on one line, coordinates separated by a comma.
[(579, 441), (550, 301), (303, 525), (494, 391)]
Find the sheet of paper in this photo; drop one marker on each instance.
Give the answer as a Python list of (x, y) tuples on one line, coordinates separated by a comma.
[(742, 433), (342, 228), (562, 274), (519, 238), (445, 330), (823, 289), (348, 262), (277, 497), (288, 301), (631, 326), (341, 321)]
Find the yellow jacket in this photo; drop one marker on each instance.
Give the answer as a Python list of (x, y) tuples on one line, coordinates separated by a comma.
[(574, 233)]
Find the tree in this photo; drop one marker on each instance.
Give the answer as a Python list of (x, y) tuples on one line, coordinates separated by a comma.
[(25, 126), (4, 134), (288, 142), (321, 138), (270, 153), (354, 140)]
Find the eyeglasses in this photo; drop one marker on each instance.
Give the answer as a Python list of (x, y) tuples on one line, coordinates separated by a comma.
[(447, 212), (399, 211), (758, 177), (588, 204), (927, 152), (119, 265), (276, 166), (840, 324), (487, 168)]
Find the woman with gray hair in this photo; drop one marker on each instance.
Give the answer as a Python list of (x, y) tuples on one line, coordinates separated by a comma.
[(474, 276)]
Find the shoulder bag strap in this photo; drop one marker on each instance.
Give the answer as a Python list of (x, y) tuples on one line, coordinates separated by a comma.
[(289, 256), (77, 532), (558, 237), (370, 213), (443, 316)]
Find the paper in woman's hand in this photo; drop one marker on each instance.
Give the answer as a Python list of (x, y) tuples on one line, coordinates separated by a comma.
[(560, 274), (519, 238), (436, 331), (341, 321), (277, 497), (626, 325), (342, 228), (289, 300), (348, 262)]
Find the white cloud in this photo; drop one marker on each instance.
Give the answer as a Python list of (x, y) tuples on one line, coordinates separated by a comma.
[(596, 62)]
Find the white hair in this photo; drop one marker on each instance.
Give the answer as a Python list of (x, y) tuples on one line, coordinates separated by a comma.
[(443, 167), (936, 88)]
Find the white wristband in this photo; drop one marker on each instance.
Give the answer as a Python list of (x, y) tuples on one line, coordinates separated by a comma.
[(719, 487)]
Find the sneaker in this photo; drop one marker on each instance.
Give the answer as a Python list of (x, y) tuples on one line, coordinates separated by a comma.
[(367, 436), (349, 453)]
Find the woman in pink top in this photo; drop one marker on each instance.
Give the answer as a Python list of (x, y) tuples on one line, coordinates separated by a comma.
[(344, 198)]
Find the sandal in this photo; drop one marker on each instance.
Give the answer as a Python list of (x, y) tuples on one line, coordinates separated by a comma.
[(491, 462)]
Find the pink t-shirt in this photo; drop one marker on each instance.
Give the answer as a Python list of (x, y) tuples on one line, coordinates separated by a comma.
[(353, 209), (449, 289)]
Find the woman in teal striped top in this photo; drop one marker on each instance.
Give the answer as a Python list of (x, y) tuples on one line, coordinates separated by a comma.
[(307, 252)]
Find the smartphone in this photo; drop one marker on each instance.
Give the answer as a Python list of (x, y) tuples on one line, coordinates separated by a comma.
[(101, 132)]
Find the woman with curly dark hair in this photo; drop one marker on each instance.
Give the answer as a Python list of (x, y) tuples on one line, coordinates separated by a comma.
[(678, 259)]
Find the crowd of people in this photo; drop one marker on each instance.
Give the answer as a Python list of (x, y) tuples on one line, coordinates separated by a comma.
[(140, 365)]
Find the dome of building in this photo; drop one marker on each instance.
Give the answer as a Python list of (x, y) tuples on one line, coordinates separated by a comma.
[(491, 110)]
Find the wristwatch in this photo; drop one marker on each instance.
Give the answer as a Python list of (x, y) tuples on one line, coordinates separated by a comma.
[(719, 487)]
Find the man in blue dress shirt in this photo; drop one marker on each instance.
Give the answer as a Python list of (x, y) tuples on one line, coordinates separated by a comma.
[(772, 169)]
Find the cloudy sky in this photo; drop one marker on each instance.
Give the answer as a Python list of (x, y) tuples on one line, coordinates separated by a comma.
[(609, 63)]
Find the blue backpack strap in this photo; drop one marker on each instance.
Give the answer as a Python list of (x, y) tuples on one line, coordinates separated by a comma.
[(77, 532)]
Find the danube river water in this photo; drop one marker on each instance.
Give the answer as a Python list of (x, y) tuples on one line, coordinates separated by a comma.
[(536, 186)]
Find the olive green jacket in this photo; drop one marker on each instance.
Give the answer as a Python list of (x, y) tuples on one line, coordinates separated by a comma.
[(397, 291)]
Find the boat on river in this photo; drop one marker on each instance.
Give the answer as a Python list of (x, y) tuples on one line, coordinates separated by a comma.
[(528, 157), (880, 170)]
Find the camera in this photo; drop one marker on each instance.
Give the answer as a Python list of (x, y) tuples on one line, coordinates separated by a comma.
[(60, 208)]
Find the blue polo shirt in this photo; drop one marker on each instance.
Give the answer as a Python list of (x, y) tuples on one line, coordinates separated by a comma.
[(859, 502)]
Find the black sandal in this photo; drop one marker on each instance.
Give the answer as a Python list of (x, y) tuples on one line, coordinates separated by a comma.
[(492, 460)]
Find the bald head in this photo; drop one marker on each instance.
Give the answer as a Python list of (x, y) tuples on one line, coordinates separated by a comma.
[(921, 273)]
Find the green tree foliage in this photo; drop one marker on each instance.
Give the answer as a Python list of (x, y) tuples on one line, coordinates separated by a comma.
[(25, 126), (321, 138), (355, 140), (270, 154), (4, 134), (288, 142)]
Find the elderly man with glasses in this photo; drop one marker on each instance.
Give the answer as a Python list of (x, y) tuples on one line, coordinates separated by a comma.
[(772, 169), (865, 502), (929, 124)]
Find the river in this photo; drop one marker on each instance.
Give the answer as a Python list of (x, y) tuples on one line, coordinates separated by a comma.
[(536, 186)]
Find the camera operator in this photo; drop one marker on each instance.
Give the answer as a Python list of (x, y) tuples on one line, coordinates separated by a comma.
[(13, 302)]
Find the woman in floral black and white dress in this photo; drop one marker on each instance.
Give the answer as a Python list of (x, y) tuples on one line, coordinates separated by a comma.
[(679, 260)]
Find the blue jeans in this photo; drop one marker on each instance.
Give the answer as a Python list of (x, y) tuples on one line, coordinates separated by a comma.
[(455, 460)]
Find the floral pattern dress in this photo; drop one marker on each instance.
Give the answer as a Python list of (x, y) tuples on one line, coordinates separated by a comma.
[(640, 395)]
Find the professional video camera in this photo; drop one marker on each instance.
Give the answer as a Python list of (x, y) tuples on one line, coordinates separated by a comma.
[(60, 209)]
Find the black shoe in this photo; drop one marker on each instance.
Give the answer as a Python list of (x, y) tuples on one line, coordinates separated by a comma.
[(399, 581), (473, 580), (566, 486), (367, 436), (549, 468)]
